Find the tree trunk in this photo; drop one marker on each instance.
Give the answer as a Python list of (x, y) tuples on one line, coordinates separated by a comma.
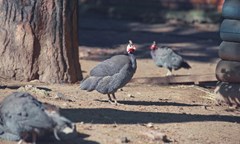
[(38, 40)]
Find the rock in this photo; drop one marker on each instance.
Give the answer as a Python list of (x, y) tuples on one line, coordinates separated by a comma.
[(35, 81), (81, 123), (204, 107), (62, 97), (149, 125), (130, 95), (125, 140), (157, 136)]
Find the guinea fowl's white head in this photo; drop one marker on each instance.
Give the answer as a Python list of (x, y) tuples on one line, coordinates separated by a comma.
[(154, 46), (130, 47)]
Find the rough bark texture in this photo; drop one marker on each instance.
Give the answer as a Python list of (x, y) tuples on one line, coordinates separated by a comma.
[(39, 40)]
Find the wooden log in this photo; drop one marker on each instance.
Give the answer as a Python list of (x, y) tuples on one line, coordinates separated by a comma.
[(184, 79)]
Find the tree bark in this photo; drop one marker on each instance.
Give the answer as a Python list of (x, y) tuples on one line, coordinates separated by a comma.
[(38, 40)]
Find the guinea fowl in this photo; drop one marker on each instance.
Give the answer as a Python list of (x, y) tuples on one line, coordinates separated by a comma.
[(21, 115), (165, 57), (110, 75)]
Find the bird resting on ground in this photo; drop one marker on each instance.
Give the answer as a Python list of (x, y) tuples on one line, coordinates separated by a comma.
[(165, 57), (23, 116), (110, 75)]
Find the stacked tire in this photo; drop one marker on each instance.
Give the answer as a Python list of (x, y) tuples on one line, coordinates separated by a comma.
[(228, 68)]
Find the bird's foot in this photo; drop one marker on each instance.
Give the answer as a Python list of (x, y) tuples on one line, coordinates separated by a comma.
[(111, 102), (24, 136), (20, 142), (114, 102), (169, 74), (117, 104)]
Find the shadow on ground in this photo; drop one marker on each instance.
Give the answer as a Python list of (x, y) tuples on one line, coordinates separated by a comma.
[(152, 103), (111, 116), (80, 139)]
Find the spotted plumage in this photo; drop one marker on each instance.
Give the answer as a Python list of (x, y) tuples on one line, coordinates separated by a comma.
[(165, 57), (110, 75)]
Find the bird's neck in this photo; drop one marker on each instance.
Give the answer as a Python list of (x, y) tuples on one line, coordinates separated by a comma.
[(133, 60), (153, 51)]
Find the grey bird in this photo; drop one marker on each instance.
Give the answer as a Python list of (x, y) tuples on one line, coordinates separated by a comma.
[(23, 116), (110, 75), (165, 57)]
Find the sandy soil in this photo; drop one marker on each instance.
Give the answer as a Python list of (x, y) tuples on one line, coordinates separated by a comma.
[(184, 113)]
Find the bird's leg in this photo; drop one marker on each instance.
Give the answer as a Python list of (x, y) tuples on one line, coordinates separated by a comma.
[(169, 72), (34, 137), (55, 134), (115, 100), (24, 136), (109, 99), (21, 141)]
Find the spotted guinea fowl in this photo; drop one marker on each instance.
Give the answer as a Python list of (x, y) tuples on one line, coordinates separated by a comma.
[(165, 57), (110, 75), (23, 116)]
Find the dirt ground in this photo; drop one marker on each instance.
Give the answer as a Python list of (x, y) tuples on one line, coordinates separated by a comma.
[(150, 113)]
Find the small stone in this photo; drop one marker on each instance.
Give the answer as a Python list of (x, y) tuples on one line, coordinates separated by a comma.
[(125, 140), (81, 123), (59, 96), (115, 125), (149, 125), (62, 97), (28, 87), (130, 95), (35, 81), (204, 107), (157, 136)]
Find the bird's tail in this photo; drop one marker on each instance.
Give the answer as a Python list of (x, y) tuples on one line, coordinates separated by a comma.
[(185, 65), (89, 83)]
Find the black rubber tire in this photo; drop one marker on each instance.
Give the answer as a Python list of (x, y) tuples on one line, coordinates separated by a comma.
[(229, 51), (228, 71), (230, 30), (231, 9)]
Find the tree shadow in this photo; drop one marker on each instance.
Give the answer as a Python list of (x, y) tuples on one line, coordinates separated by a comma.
[(111, 116), (148, 11), (99, 27), (203, 43)]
